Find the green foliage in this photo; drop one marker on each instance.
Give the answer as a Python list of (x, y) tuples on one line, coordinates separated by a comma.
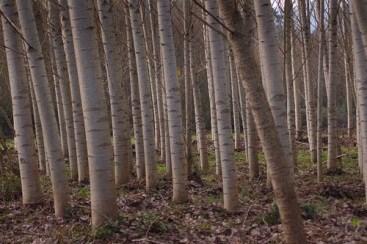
[(272, 217), (105, 231), (309, 211), (355, 222), (161, 169), (10, 185), (83, 192), (152, 223)]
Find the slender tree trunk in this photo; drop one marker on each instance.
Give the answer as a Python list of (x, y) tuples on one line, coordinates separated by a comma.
[(158, 78), (94, 105), (62, 74), (118, 100), (235, 103), (38, 128), (22, 113), (151, 73), (309, 84), (243, 108), (331, 87), (251, 145), (217, 51), (320, 82), (79, 129), (272, 76), (282, 180), (289, 78), (296, 90), (211, 91), (145, 95), (135, 102), (199, 115), (45, 107), (188, 87), (179, 164)]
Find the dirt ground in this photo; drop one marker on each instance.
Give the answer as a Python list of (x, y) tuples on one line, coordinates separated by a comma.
[(334, 211)]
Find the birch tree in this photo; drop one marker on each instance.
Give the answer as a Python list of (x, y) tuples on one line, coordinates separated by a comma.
[(45, 106), (22, 113), (174, 113), (100, 156)]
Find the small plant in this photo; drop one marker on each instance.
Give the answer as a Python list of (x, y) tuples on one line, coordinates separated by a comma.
[(105, 231), (272, 217), (83, 192), (355, 222), (309, 211), (10, 187)]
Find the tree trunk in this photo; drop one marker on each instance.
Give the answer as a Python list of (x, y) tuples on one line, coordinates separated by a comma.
[(273, 77), (360, 62), (179, 164), (282, 180), (217, 51), (308, 84), (120, 135), (38, 128), (158, 77), (45, 107), (135, 102), (94, 105), (188, 87), (235, 103), (199, 115), (79, 129), (211, 91), (22, 114), (61, 69), (320, 82), (145, 95), (331, 87), (289, 78)]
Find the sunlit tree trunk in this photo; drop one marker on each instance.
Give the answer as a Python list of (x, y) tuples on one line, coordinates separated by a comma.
[(223, 111), (45, 107), (145, 95), (118, 99), (272, 76), (79, 129), (331, 86), (281, 177), (179, 164), (22, 113), (135, 103), (100, 155)]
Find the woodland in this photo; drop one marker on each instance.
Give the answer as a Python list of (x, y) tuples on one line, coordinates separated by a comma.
[(183, 121)]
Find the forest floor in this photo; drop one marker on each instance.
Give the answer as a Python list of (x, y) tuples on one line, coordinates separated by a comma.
[(334, 211)]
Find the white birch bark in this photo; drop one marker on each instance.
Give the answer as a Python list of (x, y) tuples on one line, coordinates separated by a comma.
[(45, 107), (78, 119), (100, 155), (223, 111), (145, 94), (176, 133), (21, 107)]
